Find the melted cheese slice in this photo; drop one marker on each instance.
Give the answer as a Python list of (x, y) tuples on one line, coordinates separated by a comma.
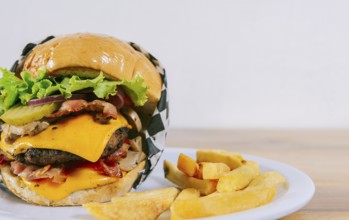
[(80, 135), (80, 179)]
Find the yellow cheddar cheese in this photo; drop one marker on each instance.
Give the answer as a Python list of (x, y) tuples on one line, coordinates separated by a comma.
[(80, 179), (79, 135)]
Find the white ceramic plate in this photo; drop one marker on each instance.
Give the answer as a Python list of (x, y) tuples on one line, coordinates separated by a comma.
[(299, 192)]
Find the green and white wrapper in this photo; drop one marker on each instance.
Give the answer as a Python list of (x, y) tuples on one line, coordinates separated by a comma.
[(155, 133)]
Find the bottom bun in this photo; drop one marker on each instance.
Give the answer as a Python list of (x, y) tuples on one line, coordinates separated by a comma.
[(99, 194)]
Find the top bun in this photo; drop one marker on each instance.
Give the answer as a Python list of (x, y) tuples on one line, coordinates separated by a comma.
[(87, 54)]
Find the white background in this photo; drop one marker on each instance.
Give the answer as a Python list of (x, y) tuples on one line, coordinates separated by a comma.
[(230, 64)]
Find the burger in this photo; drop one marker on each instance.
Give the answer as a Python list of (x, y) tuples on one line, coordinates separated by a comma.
[(72, 116)]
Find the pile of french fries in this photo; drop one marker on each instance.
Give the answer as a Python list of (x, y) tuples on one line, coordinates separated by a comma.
[(219, 182), (216, 183)]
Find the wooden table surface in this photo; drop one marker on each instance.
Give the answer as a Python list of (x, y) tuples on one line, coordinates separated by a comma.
[(322, 154)]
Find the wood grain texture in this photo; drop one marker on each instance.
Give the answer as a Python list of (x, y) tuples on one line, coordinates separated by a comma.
[(322, 154)]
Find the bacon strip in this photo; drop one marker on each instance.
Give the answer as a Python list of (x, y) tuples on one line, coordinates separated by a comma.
[(17, 167), (109, 168), (3, 160), (105, 110), (31, 172), (69, 107)]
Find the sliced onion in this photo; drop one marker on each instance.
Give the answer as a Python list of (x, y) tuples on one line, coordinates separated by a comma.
[(131, 161), (56, 98), (117, 100), (136, 144)]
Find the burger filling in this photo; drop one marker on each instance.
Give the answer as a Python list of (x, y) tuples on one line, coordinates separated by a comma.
[(3, 160), (33, 107), (42, 157)]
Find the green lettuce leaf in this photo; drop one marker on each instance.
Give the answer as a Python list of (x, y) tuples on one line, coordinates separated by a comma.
[(35, 87), (9, 89), (75, 83), (136, 90), (105, 89), (14, 89)]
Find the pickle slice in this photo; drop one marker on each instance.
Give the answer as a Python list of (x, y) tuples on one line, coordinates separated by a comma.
[(23, 114)]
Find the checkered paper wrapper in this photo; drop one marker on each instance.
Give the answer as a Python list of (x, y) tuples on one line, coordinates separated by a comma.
[(155, 134)]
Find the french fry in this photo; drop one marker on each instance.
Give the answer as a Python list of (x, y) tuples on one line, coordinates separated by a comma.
[(268, 179), (187, 165), (222, 203), (211, 171), (148, 193), (239, 178), (147, 205), (189, 193), (233, 160), (176, 176)]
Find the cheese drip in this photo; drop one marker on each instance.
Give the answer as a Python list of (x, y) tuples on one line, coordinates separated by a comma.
[(80, 179)]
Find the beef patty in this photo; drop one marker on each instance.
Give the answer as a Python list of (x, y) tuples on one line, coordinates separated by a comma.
[(43, 157)]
